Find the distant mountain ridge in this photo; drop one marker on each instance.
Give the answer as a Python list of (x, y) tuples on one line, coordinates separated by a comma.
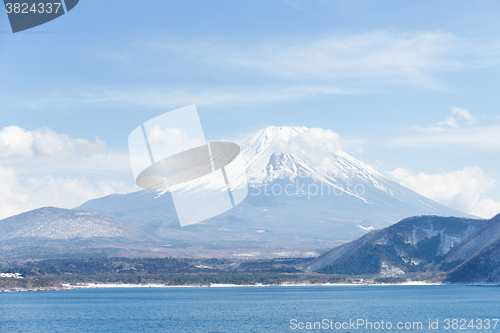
[(54, 232), (58, 223)]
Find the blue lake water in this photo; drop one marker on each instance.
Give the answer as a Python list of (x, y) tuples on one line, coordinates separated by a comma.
[(253, 309)]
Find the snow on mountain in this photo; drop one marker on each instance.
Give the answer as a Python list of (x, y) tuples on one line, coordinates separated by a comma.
[(305, 156), (51, 232), (298, 152), (57, 223), (313, 161), (420, 243)]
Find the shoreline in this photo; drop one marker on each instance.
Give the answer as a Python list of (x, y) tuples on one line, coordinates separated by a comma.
[(223, 285), (67, 286)]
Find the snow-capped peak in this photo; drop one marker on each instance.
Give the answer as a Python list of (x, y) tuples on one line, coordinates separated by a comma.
[(292, 152)]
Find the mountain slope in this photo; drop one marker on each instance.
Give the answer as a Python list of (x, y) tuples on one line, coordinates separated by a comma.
[(484, 267), (476, 242), (417, 244), (480, 255), (55, 232), (345, 188), (57, 223)]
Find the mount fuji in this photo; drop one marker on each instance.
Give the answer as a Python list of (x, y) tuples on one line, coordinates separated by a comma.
[(305, 194)]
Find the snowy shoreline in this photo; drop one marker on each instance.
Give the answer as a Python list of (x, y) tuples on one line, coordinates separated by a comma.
[(66, 286), (222, 285)]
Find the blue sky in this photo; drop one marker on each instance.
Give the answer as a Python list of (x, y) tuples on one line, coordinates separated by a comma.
[(411, 85)]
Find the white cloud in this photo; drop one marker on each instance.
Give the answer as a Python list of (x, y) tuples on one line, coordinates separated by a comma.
[(480, 136), (326, 65), (314, 145), (385, 57), (167, 141), (288, 68), (460, 189), (15, 142), (43, 151), (177, 96), (463, 113), (11, 194), (449, 122), (18, 143), (457, 130), (19, 195), (312, 139), (173, 138), (410, 57)]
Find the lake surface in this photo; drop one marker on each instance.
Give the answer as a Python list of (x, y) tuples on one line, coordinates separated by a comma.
[(253, 309)]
